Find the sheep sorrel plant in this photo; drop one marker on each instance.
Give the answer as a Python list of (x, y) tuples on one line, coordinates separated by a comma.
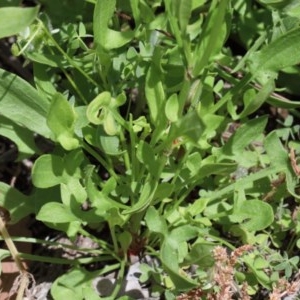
[(163, 137)]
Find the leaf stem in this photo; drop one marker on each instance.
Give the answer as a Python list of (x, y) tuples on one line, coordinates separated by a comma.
[(119, 280), (234, 91), (94, 153), (103, 244)]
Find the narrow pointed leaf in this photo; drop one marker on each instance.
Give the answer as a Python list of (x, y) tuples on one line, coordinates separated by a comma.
[(279, 54), (21, 103)]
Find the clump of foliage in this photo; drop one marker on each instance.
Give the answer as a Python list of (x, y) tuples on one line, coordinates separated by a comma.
[(158, 113)]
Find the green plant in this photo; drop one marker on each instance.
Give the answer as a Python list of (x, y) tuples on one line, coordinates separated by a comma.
[(156, 140)]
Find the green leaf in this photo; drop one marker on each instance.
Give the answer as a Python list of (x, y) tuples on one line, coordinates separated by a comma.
[(146, 156), (257, 101), (31, 107), (110, 126), (51, 170), (254, 215), (155, 222), (193, 163), (179, 13), (243, 183), (207, 169), (213, 35), (278, 158), (260, 263), (145, 198), (104, 37), (42, 80), (47, 171), (275, 3), (279, 54), (22, 137), (200, 254), (172, 108), (98, 198), (281, 160), (72, 162), (81, 120), (184, 12), (182, 234), (164, 190), (197, 3), (198, 206), (169, 258), (100, 111), (190, 126), (260, 275), (134, 4), (75, 284), (115, 218), (212, 122), (109, 144), (15, 19), (61, 119), (125, 239), (71, 191), (3, 254), (55, 212), (96, 110), (18, 205), (172, 16), (155, 94), (245, 135), (51, 60), (283, 102), (9, 3)]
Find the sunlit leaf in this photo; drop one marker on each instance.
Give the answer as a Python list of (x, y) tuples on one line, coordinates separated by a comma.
[(17, 204), (47, 171), (253, 215), (15, 19), (32, 107), (279, 54), (106, 38), (54, 212), (61, 119)]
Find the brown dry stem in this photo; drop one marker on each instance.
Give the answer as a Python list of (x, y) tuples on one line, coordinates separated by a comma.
[(22, 281), (294, 164)]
